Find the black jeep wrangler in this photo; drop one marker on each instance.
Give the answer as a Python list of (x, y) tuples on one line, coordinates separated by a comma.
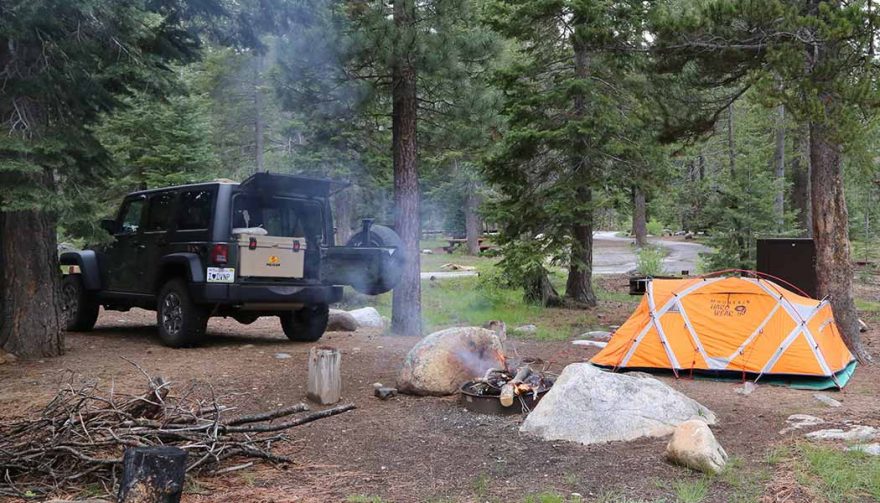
[(264, 247)]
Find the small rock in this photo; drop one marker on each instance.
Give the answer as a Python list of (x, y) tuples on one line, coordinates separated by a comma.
[(747, 388), (798, 421), (693, 445), (341, 321), (377, 385), (827, 400), (857, 433), (596, 335), (384, 393), (368, 317), (247, 346), (870, 449), (590, 343), (427, 251), (526, 329), (282, 356)]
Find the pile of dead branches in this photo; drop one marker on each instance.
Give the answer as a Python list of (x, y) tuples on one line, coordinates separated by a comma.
[(79, 438)]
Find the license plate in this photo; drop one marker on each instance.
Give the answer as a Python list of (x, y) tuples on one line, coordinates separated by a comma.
[(221, 275)]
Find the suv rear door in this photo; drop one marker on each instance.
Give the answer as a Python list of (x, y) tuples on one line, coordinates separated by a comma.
[(154, 235), (124, 273)]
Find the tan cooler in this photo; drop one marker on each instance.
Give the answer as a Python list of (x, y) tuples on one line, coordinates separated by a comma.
[(271, 256)]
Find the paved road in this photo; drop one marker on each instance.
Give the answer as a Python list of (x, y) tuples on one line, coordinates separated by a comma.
[(614, 255)]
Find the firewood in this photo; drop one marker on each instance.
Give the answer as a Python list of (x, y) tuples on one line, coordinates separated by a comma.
[(509, 390)]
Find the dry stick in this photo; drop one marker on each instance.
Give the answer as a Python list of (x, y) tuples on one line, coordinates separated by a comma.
[(268, 416), (290, 424)]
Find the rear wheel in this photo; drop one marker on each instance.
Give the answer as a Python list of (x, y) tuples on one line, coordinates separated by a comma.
[(306, 325), (80, 307), (181, 322)]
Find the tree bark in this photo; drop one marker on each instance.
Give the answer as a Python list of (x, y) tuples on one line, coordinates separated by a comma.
[(800, 188), (539, 290), (639, 223), (342, 211), (779, 169), (472, 223), (831, 235), (731, 145), (259, 122), (406, 309), (31, 324), (579, 285)]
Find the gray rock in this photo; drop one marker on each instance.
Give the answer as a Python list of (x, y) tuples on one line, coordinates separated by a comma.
[(384, 393), (747, 388), (368, 317), (693, 445), (427, 251), (282, 356), (341, 321), (827, 400), (441, 362), (596, 344), (799, 421), (596, 335), (857, 433), (870, 449), (590, 406), (525, 329)]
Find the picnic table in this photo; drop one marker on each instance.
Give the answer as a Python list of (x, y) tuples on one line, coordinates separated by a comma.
[(455, 243)]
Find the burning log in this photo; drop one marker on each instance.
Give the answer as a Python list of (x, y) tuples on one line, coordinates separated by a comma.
[(515, 386)]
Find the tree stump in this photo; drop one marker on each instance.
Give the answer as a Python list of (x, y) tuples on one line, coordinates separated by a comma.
[(152, 475), (325, 381)]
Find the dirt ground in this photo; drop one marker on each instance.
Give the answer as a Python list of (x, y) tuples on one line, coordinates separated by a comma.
[(412, 449)]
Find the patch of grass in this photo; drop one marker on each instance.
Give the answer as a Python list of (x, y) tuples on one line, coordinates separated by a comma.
[(868, 306), (359, 498), (615, 497), (691, 491), (480, 486), (547, 497), (839, 476)]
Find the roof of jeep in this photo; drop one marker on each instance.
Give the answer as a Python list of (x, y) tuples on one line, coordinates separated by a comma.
[(265, 181)]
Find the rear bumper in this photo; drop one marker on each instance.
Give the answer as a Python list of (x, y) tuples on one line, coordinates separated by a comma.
[(237, 294)]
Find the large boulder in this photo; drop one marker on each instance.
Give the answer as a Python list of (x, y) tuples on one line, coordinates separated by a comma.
[(590, 406), (441, 362), (693, 445), (341, 321), (368, 317)]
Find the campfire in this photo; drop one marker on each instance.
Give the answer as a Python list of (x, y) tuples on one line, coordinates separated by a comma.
[(510, 390)]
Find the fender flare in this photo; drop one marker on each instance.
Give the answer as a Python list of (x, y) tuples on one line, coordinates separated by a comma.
[(195, 273), (87, 260)]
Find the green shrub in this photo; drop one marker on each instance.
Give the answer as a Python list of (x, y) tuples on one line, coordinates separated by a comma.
[(649, 261), (655, 228)]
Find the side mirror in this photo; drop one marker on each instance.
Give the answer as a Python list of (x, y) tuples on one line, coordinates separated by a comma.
[(109, 225)]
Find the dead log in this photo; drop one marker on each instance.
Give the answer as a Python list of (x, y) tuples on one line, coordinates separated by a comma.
[(509, 389), (152, 475), (324, 381)]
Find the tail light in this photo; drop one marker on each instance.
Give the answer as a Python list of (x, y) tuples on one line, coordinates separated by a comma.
[(252, 244), (220, 253), (296, 246)]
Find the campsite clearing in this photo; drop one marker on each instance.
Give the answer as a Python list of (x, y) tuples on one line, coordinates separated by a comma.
[(409, 449)]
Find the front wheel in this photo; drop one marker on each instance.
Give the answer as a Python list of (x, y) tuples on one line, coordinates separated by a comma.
[(306, 325), (181, 322), (80, 306)]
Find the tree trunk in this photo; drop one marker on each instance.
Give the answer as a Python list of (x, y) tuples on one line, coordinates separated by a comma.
[(800, 188), (406, 309), (539, 290), (31, 324), (473, 226), (639, 223), (831, 235), (259, 123), (731, 146), (779, 170), (342, 212), (579, 286)]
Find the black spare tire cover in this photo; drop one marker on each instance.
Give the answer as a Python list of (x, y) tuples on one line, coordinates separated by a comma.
[(391, 265)]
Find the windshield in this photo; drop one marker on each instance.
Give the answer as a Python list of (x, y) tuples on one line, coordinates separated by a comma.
[(279, 216)]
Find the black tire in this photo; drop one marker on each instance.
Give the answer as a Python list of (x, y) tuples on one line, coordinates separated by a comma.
[(181, 322), (80, 307), (392, 266), (306, 325)]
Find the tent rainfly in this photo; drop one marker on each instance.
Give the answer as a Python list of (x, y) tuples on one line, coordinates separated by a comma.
[(750, 326)]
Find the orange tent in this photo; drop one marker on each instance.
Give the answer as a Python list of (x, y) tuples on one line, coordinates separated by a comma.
[(733, 324)]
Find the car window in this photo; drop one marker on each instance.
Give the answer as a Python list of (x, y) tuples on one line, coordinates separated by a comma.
[(131, 216), (279, 216), (195, 209), (159, 214)]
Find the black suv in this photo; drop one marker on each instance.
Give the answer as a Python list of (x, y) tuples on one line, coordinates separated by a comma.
[(264, 247)]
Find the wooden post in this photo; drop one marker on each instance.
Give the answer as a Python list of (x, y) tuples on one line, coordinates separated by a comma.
[(152, 475), (325, 381)]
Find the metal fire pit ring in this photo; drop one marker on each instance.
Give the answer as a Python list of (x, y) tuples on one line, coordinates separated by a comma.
[(490, 404)]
